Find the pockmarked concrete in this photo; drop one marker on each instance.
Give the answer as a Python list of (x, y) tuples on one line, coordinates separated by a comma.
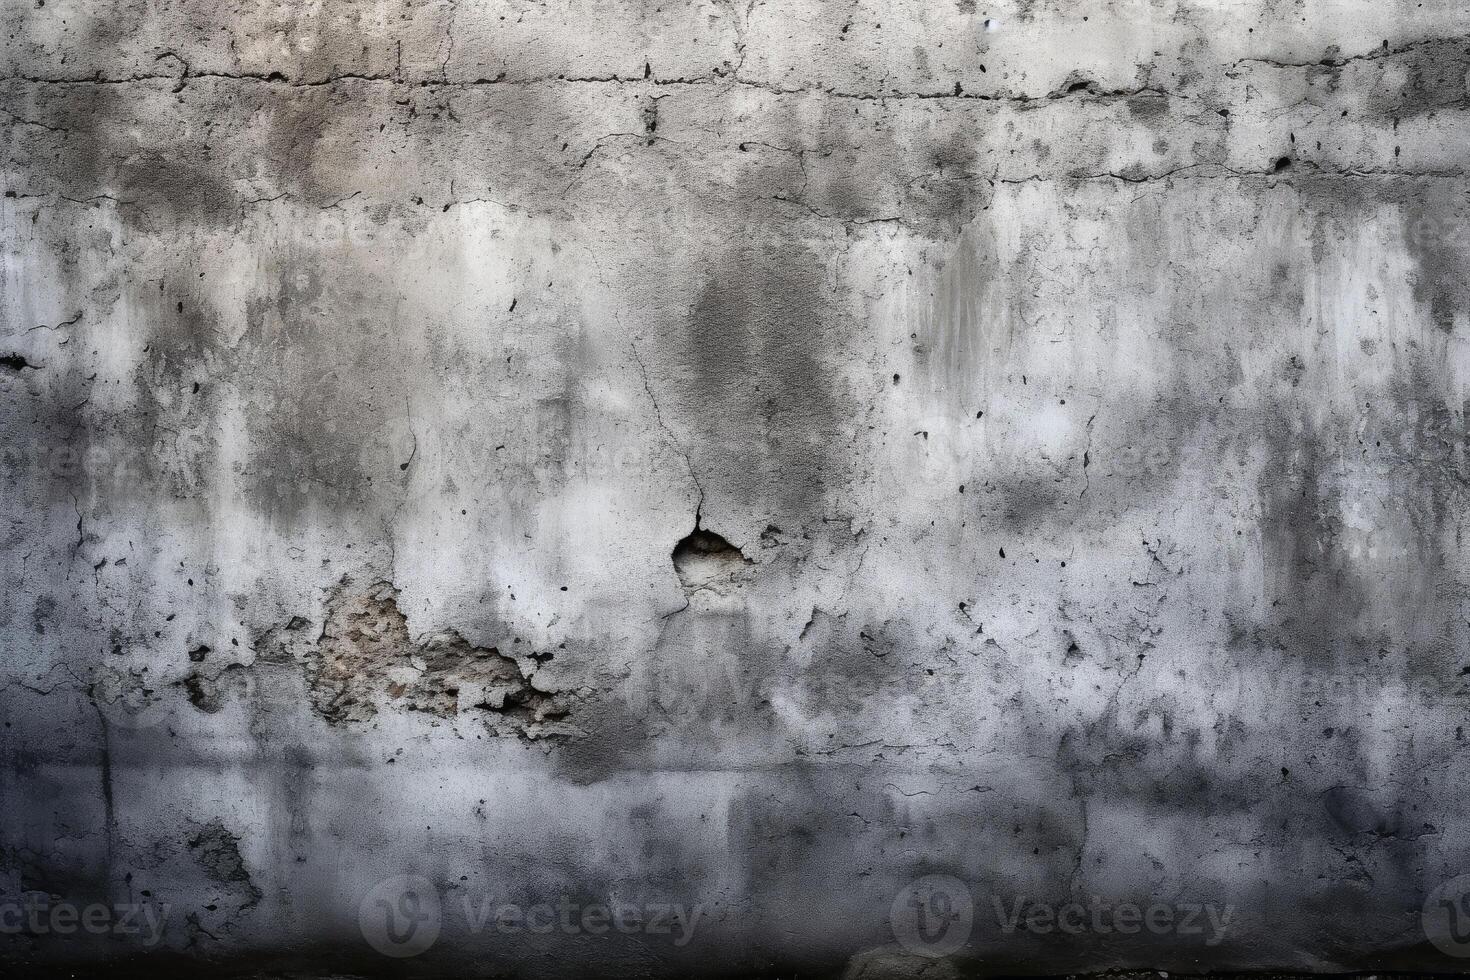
[(592, 487)]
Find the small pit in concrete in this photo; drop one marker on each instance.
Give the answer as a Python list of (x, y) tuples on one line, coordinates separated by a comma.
[(705, 560)]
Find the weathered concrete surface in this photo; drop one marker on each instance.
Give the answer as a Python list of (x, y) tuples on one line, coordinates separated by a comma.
[(1070, 400)]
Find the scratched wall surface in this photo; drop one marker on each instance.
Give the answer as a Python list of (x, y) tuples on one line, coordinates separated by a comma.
[(732, 461)]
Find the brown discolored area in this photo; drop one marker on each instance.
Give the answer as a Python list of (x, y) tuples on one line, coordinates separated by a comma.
[(366, 659)]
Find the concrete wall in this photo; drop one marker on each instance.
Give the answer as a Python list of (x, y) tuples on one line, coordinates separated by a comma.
[(739, 460)]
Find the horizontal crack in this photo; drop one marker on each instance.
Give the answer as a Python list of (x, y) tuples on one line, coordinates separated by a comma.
[(1197, 171), (714, 79), (1374, 55)]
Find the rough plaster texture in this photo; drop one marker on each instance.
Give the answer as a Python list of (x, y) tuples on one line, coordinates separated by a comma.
[(748, 455)]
